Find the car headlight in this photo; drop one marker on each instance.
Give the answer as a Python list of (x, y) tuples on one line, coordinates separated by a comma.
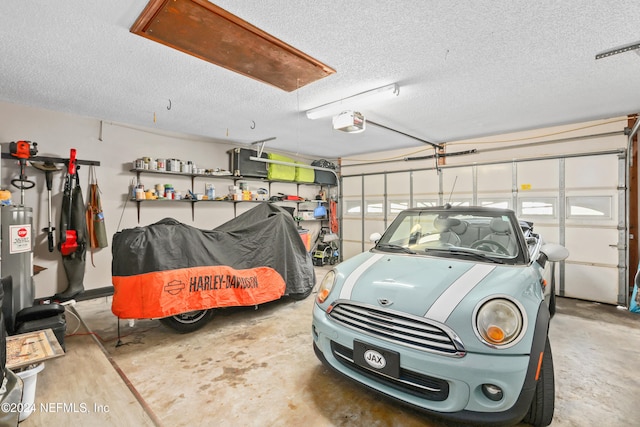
[(499, 322), (325, 287)]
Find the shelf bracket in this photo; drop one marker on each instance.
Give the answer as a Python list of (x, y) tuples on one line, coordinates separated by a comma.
[(261, 144)]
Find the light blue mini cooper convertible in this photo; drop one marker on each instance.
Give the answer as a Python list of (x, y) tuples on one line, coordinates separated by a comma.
[(449, 313)]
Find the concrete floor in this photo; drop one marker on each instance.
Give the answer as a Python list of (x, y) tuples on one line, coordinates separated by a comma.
[(257, 368)]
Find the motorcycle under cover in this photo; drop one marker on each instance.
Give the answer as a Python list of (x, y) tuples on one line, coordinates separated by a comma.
[(168, 268)]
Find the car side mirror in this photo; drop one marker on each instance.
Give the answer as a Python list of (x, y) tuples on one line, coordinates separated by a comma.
[(554, 252), (374, 237)]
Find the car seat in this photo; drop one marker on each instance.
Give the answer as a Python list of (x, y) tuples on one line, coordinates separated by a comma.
[(444, 227), (501, 233)]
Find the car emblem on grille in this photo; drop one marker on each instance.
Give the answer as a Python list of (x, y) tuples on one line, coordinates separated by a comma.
[(384, 302)]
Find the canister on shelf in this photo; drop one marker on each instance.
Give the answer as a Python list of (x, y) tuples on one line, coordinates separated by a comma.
[(140, 194), (210, 191), (162, 164), (168, 191)]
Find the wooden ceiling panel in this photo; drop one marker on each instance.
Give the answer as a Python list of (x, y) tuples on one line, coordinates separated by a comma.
[(206, 31)]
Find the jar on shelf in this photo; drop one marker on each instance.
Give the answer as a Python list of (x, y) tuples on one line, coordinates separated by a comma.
[(168, 191)]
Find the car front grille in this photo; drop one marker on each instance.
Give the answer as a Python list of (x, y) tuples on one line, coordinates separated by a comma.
[(399, 328), (417, 384)]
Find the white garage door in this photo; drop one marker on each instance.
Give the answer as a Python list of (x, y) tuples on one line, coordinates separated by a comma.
[(566, 200), (571, 204)]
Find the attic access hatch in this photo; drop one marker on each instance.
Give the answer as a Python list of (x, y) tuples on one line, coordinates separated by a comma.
[(206, 31)]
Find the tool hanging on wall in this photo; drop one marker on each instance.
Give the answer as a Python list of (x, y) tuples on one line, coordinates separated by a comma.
[(49, 169), (333, 216), (73, 232), (96, 229), (23, 150), (68, 237)]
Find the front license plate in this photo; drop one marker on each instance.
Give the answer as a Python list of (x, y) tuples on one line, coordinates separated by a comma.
[(376, 358)]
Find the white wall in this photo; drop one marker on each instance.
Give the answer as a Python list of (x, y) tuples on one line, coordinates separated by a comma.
[(56, 133)]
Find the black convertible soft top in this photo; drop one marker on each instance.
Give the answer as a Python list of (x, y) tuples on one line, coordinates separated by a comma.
[(265, 236)]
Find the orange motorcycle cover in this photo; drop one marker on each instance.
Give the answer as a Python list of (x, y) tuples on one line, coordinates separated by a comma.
[(170, 292)]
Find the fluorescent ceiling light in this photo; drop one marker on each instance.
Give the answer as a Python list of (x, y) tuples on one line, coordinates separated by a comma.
[(354, 102)]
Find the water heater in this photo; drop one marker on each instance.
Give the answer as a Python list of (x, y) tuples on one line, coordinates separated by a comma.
[(17, 253)]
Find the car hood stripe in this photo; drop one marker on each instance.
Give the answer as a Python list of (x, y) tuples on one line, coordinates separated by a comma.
[(442, 308), (351, 280)]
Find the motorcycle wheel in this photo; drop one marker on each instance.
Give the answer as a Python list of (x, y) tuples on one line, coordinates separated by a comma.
[(189, 321)]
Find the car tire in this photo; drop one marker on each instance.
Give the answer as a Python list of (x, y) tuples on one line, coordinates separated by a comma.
[(542, 406), (191, 321)]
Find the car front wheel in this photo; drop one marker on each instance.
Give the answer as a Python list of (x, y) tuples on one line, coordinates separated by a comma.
[(542, 406), (188, 322)]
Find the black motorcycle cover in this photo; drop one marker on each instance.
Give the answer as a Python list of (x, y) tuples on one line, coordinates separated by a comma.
[(169, 267)]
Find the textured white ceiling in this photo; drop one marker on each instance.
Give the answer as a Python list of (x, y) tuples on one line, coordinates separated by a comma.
[(466, 69)]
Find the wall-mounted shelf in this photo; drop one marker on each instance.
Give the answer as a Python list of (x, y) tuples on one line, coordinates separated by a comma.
[(229, 177)]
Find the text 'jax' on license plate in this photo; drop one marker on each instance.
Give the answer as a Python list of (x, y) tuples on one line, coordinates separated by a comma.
[(376, 358)]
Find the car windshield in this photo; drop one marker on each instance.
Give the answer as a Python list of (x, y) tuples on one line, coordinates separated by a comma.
[(481, 235)]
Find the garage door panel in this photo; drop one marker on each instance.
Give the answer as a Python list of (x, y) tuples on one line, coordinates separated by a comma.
[(374, 186), (372, 226), (593, 283), (580, 172), (399, 185), (550, 233), (591, 245), (426, 184), (494, 178), (538, 175), (350, 249), (352, 229), (352, 186), (457, 180)]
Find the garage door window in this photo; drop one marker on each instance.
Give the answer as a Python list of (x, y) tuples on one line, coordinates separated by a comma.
[(353, 207), (397, 206), (537, 206), (589, 207), (495, 203), (374, 207), (463, 202), (425, 203)]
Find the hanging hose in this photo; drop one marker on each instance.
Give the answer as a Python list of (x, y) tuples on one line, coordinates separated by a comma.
[(333, 216)]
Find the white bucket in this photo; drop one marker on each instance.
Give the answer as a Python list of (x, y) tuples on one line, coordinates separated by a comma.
[(29, 379)]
